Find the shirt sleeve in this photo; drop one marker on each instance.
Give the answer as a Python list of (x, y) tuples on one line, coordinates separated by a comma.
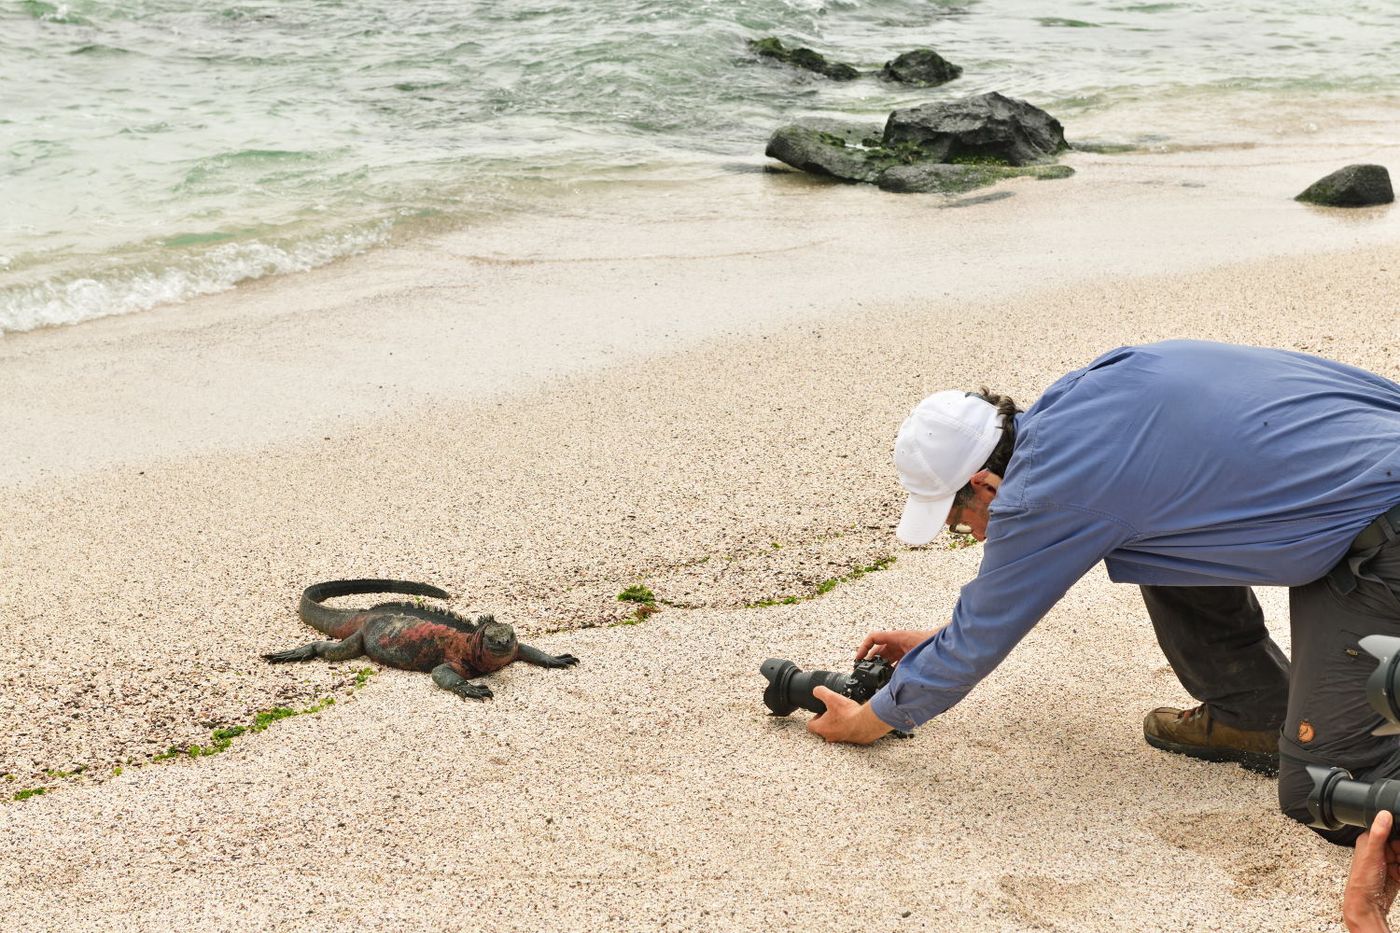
[(1032, 556)]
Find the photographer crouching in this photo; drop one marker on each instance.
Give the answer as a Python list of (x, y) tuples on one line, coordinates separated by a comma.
[(1194, 470)]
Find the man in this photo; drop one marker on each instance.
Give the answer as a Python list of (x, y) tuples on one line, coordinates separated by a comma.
[(1194, 470)]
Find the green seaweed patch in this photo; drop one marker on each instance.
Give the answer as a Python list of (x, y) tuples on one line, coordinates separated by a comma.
[(637, 593), (645, 600), (219, 739), (784, 601), (56, 773), (976, 158), (904, 152), (31, 792), (826, 586), (980, 176), (977, 176)]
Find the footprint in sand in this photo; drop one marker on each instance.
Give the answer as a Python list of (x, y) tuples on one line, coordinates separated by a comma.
[(1215, 836), (1039, 902)]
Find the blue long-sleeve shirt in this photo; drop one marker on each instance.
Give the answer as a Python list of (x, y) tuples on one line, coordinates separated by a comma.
[(1181, 463)]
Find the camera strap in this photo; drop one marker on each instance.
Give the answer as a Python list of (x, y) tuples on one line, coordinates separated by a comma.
[(1384, 530)]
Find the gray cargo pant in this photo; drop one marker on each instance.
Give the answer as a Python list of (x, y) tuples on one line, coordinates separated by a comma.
[(1215, 639)]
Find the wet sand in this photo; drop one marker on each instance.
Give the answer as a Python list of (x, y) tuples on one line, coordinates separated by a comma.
[(693, 388)]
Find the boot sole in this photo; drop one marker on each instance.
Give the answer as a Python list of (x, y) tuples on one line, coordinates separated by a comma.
[(1258, 762)]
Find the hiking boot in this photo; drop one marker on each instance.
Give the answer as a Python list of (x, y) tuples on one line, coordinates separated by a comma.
[(1196, 733)]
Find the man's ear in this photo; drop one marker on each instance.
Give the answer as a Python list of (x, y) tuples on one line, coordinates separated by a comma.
[(985, 480)]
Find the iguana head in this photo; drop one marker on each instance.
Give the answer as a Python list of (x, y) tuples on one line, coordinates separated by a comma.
[(493, 644)]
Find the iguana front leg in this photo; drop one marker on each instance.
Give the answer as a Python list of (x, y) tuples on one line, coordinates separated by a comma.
[(351, 647), (448, 679), (536, 656)]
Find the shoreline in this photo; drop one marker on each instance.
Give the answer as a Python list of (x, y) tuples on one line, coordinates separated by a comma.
[(1198, 119), (621, 275), (700, 399)]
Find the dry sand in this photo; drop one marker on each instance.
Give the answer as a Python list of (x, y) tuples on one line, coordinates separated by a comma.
[(536, 415)]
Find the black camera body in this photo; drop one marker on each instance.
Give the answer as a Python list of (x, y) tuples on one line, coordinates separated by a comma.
[(790, 688)]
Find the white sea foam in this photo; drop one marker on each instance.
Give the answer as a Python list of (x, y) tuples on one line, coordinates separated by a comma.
[(213, 270), (172, 119)]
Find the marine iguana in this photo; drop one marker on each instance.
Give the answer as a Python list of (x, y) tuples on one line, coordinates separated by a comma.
[(412, 637)]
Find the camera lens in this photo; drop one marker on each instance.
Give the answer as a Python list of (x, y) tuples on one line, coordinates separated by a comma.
[(1336, 800), (790, 688)]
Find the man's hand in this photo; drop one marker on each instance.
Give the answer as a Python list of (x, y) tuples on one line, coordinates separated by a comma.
[(845, 720), (1375, 877), (892, 645)]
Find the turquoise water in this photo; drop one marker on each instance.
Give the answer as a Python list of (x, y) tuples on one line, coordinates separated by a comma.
[(151, 151)]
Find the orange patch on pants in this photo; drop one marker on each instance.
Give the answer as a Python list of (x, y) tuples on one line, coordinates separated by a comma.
[(1305, 731)]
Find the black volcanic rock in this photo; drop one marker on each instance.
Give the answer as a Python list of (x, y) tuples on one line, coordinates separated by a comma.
[(1353, 186), (829, 147), (940, 177), (921, 68), (803, 58), (927, 177), (947, 148), (986, 128)]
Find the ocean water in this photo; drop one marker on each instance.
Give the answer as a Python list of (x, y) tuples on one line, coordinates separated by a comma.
[(153, 150)]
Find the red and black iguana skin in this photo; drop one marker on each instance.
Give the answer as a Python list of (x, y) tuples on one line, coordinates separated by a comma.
[(412, 637)]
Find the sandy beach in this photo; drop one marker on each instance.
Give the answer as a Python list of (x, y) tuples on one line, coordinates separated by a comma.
[(690, 386)]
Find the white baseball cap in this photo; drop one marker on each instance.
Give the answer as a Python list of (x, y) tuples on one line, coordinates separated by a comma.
[(944, 441)]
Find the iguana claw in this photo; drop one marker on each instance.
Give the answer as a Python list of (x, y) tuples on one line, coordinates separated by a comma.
[(474, 692)]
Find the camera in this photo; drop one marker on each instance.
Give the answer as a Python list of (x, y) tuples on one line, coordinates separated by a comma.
[(1383, 684), (790, 688), (1336, 800)]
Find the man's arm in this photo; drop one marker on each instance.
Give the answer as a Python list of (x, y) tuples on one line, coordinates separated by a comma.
[(1032, 557)]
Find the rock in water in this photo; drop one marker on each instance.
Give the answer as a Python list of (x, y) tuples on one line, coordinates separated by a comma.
[(1353, 186), (803, 58), (829, 147), (946, 148), (921, 68), (926, 177), (988, 127)]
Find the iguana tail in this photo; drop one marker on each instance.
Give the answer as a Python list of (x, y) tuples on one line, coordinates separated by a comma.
[(324, 619)]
